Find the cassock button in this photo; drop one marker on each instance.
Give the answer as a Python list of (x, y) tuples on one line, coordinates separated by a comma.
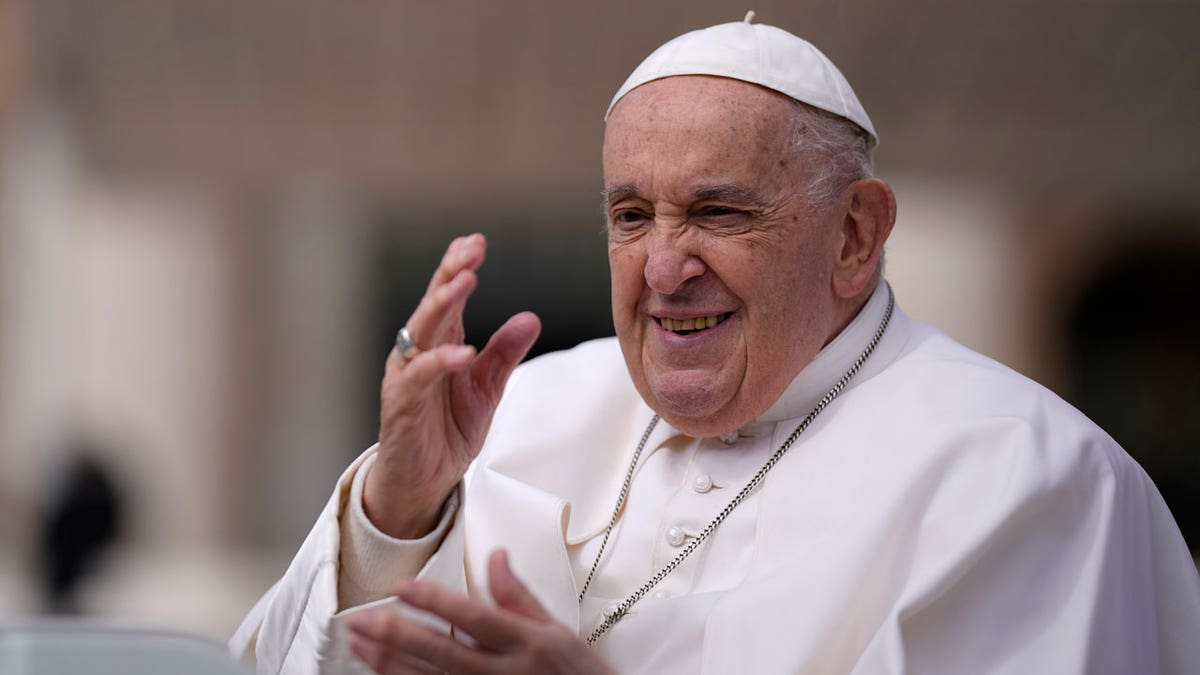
[(729, 438), (612, 609), (703, 483), (675, 536), (661, 595)]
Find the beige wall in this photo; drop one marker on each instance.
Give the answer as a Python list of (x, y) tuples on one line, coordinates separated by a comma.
[(13, 67)]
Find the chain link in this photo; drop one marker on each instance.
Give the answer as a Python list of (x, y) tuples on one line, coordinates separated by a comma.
[(620, 503), (611, 619)]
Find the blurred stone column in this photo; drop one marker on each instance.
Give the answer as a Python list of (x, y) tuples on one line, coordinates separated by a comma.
[(957, 259)]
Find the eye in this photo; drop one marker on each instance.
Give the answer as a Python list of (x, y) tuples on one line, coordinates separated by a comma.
[(720, 211), (724, 219), (627, 220)]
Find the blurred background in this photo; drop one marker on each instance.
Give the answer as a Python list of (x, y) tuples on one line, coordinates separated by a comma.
[(215, 214)]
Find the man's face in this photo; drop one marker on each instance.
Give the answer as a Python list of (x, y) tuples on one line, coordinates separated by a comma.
[(721, 267)]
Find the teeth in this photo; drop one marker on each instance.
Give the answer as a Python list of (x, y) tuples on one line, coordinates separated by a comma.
[(696, 323)]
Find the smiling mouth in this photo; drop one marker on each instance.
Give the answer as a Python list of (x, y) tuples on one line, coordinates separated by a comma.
[(694, 325)]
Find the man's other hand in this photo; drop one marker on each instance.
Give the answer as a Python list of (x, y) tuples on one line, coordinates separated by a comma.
[(514, 636)]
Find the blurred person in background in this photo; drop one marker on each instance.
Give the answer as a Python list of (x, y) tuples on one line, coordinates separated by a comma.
[(770, 468), (80, 520)]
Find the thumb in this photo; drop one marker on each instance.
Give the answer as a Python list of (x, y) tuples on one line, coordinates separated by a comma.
[(508, 591), (504, 350)]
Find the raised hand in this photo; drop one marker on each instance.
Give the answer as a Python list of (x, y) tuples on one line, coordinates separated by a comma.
[(514, 636), (436, 404)]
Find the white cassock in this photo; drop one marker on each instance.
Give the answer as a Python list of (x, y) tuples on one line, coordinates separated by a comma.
[(943, 515)]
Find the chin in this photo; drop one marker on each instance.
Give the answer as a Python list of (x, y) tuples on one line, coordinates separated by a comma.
[(703, 426), (700, 403), (697, 414)]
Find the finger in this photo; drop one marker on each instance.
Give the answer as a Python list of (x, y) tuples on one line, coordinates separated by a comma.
[(381, 660), (408, 379), (507, 346), (401, 642), (464, 253), (491, 627), (438, 317), (508, 591)]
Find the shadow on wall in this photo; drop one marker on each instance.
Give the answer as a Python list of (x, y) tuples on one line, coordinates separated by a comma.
[(1134, 344)]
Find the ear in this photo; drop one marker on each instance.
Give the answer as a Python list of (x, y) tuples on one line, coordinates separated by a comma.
[(870, 213)]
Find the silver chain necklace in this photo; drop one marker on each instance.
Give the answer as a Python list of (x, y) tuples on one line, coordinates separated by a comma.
[(619, 612)]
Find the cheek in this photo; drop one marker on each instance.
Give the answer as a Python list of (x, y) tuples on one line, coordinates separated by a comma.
[(779, 293), (626, 269)]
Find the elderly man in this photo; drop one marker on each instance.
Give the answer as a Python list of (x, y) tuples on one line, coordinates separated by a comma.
[(786, 475)]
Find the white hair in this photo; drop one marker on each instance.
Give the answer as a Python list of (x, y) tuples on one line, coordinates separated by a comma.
[(840, 152), (838, 149)]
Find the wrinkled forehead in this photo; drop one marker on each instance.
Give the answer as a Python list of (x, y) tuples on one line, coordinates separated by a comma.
[(694, 131)]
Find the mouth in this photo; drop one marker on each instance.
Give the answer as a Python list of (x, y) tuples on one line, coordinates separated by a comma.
[(692, 325)]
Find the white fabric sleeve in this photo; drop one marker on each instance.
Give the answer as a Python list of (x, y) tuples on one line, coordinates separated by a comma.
[(292, 630), (372, 561)]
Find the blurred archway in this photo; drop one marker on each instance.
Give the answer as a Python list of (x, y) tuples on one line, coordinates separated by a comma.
[(1134, 341)]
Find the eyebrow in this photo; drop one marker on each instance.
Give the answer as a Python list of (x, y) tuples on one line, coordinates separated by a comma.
[(611, 194), (730, 193)]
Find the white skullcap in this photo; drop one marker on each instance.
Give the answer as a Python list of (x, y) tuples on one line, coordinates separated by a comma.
[(759, 54)]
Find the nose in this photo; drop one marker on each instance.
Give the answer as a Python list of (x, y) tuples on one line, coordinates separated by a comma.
[(671, 260)]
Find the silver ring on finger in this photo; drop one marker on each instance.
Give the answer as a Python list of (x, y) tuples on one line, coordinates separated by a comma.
[(404, 343)]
